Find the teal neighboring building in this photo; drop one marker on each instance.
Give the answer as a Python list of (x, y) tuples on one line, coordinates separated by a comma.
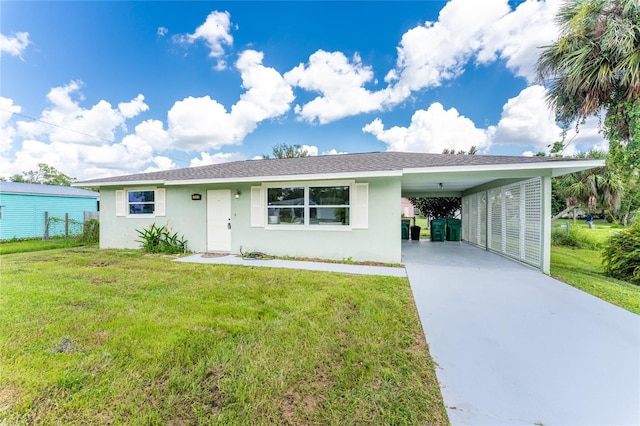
[(23, 207)]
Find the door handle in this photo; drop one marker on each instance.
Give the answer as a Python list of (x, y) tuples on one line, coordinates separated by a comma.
[(229, 224)]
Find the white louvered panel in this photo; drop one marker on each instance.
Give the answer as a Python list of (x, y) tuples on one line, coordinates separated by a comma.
[(533, 221), (515, 221), (472, 235), (511, 220), (523, 220), (473, 219), (466, 202), (495, 219), (482, 219)]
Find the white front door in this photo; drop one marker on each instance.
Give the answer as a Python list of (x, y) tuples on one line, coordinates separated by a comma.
[(219, 220)]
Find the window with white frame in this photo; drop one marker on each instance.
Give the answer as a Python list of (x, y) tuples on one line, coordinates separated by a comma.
[(309, 205), (329, 205), (141, 202)]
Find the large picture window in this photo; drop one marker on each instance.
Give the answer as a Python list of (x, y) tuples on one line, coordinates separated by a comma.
[(286, 205), (329, 205), (309, 205), (141, 202)]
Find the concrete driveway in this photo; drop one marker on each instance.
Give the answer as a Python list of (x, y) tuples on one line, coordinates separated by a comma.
[(516, 347)]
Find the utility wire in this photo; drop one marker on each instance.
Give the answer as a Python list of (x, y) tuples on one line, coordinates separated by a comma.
[(83, 133)]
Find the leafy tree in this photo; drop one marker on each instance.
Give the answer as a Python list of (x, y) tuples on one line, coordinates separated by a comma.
[(621, 255), (473, 150), (595, 66), (287, 151), (601, 188), (630, 200), (437, 207), (46, 175)]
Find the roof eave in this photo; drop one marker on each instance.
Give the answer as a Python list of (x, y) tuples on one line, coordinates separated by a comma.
[(287, 178), (119, 183), (557, 168), (247, 179)]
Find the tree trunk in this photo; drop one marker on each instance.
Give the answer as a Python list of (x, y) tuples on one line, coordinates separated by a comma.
[(563, 212)]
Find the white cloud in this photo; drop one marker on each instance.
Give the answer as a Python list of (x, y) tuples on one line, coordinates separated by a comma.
[(518, 36), (312, 150), (340, 83), (267, 95), (133, 108), (151, 134), (527, 120), (206, 158), (14, 45), (201, 123), (204, 124), (160, 163), (586, 138), (215, 31), (439, 51), (162, 31), (66, 121), (428, 55), (80, 141), (7, 131), (432, 130), (334, 152)]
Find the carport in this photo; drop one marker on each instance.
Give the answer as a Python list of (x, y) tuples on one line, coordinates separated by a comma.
[(516, 347), (506, 205)]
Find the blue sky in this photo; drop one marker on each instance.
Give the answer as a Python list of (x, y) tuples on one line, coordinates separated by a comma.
[(107, 88)]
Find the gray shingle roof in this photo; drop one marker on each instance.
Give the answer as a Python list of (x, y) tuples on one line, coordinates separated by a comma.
[(324, 165), (52, 190)]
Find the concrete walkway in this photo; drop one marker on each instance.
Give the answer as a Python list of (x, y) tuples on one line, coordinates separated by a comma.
[(295, 264), (516, 347)]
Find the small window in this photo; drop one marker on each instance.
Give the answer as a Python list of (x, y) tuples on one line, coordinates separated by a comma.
[(141, 202), (0, 212)]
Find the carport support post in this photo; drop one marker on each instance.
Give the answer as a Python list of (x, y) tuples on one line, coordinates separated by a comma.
[(545, 256)]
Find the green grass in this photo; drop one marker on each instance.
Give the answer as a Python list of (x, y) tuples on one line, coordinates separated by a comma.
[(582, 268), (422, 223), (22, 246), (92, 336), (599, 234)]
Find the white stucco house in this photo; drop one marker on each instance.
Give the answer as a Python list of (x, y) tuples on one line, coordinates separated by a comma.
[(337, 206)]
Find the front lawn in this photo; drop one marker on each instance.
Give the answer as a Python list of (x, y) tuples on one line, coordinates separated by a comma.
[(21, 246), (582, 268), (92, 336)]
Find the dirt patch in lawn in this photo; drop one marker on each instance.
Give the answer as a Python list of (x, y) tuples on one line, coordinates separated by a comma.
[(207, 255)]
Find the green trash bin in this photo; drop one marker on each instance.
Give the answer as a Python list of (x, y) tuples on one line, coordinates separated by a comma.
[(406, 223), (454, 229), (438, 227)]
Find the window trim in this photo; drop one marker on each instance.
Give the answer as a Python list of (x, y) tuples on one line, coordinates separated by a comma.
[(128, 202), (306, 226), (159, 203)]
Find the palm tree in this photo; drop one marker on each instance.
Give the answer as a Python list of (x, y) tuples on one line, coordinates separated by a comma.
[(595, 66), (594, 189)]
